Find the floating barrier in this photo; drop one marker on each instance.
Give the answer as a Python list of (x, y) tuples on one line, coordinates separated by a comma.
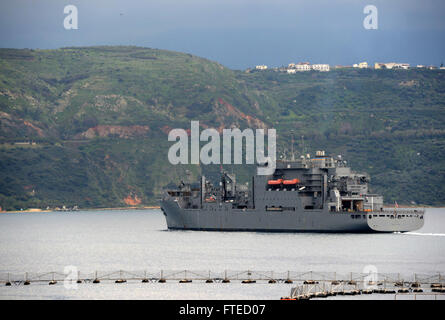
[(329, 283)]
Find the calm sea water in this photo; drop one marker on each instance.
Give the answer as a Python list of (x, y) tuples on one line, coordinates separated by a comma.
[(139, 240)]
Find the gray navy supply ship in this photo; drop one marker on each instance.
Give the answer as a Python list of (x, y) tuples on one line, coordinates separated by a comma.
[(319, 194)]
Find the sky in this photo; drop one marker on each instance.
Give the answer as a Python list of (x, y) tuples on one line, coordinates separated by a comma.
[(238, 33)]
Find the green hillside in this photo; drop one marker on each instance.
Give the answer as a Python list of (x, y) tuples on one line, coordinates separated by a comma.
[(99, 118)]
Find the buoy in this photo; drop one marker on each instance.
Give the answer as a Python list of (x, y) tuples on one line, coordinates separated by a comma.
[(288, 281), (310, 282), (96, 281), (185, 281), (288, 298), (248, 281), (162, 280)]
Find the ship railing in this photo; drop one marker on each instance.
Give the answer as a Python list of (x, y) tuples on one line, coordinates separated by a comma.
[(404, 210), (386, 211), (391, 211)]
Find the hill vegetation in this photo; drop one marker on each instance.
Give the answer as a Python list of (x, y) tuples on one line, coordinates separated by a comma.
[(98, 118)]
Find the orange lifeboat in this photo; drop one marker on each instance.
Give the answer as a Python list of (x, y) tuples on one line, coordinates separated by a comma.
[(275, 182), (291, 182), (210, 199)]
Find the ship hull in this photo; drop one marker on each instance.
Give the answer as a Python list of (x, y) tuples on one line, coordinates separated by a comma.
[(228, 219)]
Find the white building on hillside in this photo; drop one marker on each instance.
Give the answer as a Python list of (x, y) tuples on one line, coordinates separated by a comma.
[(303, 66), (404, 66), (361, 65), (320, 67), (391, 65)]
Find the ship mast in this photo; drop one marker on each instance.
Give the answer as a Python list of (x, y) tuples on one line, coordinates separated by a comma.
[(302, 145), (293, 155)]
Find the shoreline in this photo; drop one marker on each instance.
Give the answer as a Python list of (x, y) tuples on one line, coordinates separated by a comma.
[(36, 210)]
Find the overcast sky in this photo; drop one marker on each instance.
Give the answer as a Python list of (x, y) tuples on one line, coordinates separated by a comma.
[(238, 33)]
